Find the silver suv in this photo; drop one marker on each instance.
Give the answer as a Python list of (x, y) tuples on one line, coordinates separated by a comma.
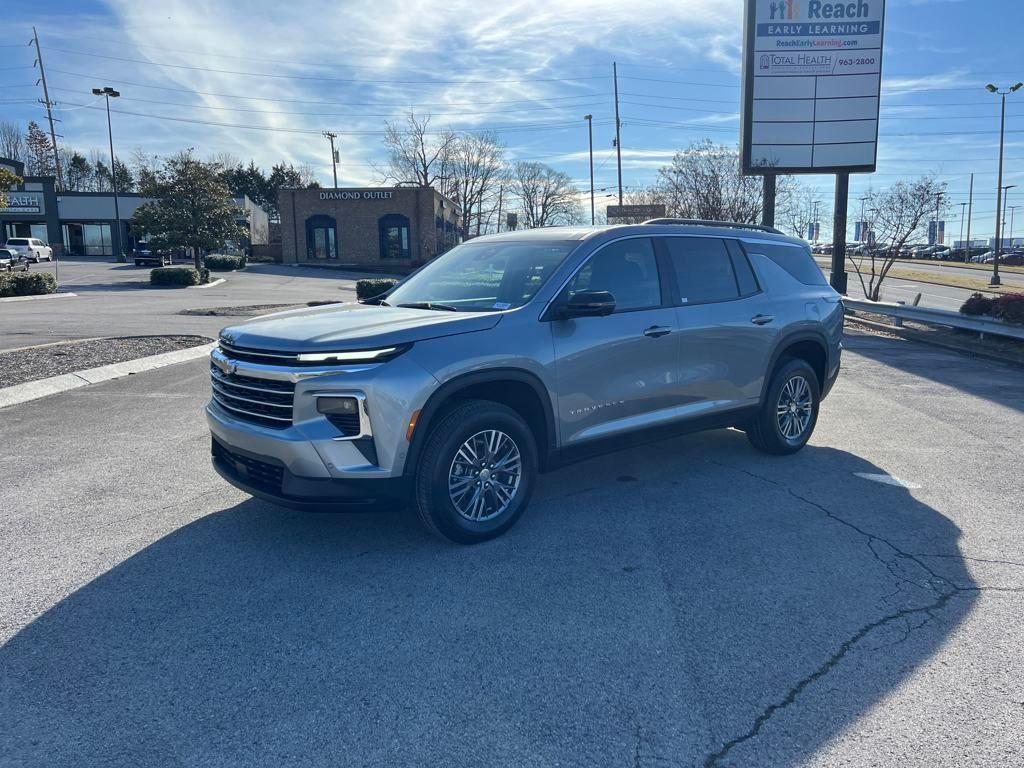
[(514, 353)]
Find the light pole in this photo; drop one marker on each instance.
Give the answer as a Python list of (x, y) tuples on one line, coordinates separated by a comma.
[(999, 184), (814, 220), (1013, 209), (109, 93), (590, 137), (1001, 223), (938, 208)]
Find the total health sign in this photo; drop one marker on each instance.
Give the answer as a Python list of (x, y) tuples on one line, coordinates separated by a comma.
[(811, 85)]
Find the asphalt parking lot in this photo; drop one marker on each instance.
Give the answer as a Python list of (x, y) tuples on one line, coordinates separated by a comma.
[(116, 298), (688, 603)]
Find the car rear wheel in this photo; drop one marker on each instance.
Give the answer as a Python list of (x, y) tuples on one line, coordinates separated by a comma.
[(789, 411), (476, 473)]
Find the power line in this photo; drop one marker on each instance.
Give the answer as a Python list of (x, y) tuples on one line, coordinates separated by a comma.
[(333, 114), (316, 78), (405, 104)]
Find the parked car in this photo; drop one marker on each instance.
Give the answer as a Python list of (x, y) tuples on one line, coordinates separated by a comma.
[(983, 258), (143, 255), (1013, 259), (514, 353), (941, 253), (12, 261), (31, 248)]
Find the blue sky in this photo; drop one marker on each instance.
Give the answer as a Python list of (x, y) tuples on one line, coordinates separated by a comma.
[(288, 70)]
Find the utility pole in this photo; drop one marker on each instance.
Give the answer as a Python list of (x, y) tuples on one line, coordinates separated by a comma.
[(1013, 209), (963, 210), (334, 155), (938, 207), (970, 206), (501, 195), (590, 135), (49, 106), (618, 126)]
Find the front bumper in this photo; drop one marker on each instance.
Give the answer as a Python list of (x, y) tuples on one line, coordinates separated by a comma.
[(269, 479)]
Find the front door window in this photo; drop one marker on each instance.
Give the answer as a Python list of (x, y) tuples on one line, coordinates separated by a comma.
[(321, 238)]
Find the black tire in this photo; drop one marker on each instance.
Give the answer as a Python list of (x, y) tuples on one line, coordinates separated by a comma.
[(765, 432), (433, 501)]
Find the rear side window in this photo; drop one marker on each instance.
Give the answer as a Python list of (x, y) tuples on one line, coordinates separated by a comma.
[(703, 268), (17, 241), (795, 260)]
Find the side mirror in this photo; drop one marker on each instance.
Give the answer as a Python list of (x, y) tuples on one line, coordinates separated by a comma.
[(587, 304)]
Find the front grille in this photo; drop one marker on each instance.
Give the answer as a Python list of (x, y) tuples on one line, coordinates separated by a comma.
[(256, 472), (263, 401), (264, 356)]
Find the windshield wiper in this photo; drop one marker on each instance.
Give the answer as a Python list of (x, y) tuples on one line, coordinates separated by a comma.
[(429, 305), (374, 301)]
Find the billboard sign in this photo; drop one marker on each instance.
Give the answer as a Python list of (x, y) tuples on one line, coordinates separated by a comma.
[(634, 214), (812, 73), (936, 237)]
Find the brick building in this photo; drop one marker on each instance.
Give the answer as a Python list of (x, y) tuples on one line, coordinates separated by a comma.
[(387, 227)]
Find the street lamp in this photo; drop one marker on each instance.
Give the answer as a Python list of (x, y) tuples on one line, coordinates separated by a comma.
[(1002, 221), (590, 136), (999, 184), (1013, 209), (109, 93)]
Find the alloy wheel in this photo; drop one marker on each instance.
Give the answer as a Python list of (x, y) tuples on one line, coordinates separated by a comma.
[(484, 475), (795, 408)]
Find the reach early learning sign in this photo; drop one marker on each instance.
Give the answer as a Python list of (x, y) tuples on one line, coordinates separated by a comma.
[(812, 79)]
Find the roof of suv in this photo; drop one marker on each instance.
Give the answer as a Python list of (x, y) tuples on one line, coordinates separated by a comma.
[(654, 227)]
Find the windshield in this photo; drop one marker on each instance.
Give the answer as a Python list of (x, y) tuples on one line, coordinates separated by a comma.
[(481, 277)]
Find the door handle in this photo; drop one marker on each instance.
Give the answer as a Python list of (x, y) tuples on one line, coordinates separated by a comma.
[(762, 319), (656, 331)]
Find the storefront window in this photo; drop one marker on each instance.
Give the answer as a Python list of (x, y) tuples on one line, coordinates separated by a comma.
[(394, 237), (321, 238)]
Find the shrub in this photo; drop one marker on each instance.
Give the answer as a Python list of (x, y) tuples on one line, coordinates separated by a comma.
[(367, 289), (1010, 308), (977, 304), (27, 284), (222, 263), (179, 276)]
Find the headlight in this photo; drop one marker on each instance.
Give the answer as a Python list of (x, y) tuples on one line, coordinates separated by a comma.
[(361, 356)]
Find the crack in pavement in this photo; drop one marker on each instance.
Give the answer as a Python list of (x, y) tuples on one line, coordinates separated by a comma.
[(947, 590)]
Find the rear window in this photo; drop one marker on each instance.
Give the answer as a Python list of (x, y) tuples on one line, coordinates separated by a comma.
[(797, 261), (17, 241)]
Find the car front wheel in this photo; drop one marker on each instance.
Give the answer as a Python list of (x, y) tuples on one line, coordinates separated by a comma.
[(476, 473), (789, 411)]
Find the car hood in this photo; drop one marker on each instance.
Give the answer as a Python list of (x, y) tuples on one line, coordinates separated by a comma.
[(353, 326)]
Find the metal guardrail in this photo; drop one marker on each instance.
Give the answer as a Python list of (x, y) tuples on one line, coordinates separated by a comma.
[(901, 312)]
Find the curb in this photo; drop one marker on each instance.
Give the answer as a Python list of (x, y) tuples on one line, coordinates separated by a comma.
[(38, 298), (218, 281), (33, 390)]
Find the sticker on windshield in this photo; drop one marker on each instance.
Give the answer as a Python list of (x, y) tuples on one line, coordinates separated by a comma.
[(501, 305)]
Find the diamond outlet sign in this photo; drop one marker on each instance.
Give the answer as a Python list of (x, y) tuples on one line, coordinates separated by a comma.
[(811, 85)]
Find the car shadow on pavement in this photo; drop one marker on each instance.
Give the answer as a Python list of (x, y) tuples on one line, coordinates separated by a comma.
[(325, 272), (1000, 383), (691, 602)]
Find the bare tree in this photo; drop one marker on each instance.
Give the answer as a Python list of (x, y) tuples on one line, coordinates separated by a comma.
[(704, 182), (477, 169), (419, 156), (12, 141), (794, 207), (894, 217), (546, 197)]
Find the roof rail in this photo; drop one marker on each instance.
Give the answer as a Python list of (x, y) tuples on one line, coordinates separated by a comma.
[(712, 223)]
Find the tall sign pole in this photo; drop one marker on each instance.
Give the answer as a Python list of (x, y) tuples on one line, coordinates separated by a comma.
[(811, 88), (590, 136), (768, 202)]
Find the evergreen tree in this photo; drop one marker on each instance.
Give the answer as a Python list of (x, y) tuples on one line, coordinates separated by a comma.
[(40, 151)]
